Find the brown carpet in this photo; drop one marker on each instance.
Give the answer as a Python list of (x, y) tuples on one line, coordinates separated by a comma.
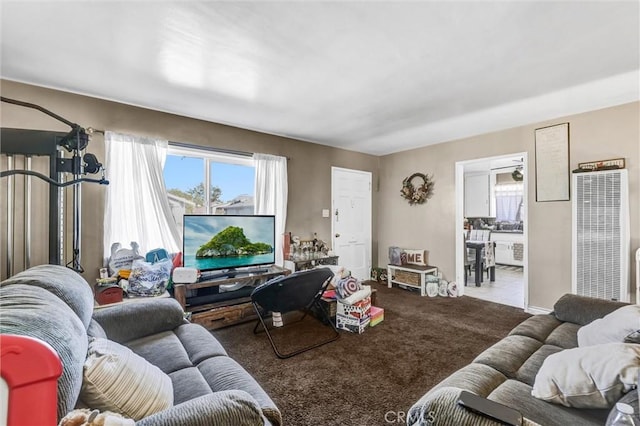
[(358, 378)]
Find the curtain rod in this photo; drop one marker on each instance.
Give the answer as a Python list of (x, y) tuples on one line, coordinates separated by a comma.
[(91, 130), (208, 148), (507, 167), (212, 149)]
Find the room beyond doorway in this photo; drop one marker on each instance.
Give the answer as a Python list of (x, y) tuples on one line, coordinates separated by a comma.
[(491, 196)]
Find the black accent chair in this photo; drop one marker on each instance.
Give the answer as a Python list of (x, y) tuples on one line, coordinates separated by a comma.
[(299, 291)]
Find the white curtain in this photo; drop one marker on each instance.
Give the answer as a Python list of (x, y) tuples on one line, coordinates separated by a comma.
[(271, 193), (137, 208), (509, 202)]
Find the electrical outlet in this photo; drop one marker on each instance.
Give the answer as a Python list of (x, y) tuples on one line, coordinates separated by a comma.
[(325, 212)]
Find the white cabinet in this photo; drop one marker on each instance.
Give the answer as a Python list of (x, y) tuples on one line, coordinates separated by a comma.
[(476, 195), (509, 248)]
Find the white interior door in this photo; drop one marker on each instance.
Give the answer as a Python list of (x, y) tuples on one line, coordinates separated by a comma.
[(351, 220)]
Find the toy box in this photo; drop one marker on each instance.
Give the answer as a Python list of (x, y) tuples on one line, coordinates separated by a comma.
[(377, 316), (354, 325), (353, 318), (358, 310)]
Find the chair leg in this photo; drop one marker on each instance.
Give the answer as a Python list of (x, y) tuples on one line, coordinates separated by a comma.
[(281, 355)]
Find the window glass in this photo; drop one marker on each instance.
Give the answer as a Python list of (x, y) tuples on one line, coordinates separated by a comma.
[(191, 173), (232, 187), (183, 178)]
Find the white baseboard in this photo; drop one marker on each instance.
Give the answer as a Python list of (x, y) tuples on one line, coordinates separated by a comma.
[(534, 310)]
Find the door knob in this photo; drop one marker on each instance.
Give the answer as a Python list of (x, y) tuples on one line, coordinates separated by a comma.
[(337, 235)]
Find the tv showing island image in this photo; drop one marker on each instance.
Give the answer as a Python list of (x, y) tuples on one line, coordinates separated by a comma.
[(212, 242)]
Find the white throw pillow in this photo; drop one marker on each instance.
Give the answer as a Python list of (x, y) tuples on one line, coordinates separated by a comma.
[(118, 380), (612, 328), (591, 377)]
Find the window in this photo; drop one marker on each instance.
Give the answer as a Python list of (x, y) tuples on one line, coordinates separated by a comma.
[(509, 201), (190, 173)]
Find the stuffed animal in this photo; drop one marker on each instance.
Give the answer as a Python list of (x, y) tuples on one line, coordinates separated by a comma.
[(87, 417)]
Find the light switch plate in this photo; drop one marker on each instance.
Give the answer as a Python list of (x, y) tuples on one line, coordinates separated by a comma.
[(325, 212)]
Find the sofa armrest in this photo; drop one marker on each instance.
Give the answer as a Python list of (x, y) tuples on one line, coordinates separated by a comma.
[(440, 408), (234, 407), (582, 310), (128, 321)]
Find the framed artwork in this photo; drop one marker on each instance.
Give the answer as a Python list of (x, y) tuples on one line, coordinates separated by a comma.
[(552, 163)]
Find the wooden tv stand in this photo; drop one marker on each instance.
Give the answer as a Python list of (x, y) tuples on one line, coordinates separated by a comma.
[(228, 312)]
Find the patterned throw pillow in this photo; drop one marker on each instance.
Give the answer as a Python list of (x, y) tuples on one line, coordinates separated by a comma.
[(118, 380), (347, 286), (415, 257)]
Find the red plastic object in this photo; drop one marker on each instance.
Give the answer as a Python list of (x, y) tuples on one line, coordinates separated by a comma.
[(31, 369), (177, 260)]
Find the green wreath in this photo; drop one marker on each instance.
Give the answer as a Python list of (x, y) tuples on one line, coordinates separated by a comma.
[(420, 194)]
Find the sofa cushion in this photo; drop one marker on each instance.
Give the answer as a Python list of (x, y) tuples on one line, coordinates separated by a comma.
[(163, 350), (191, 337), (590, 377), (477, 378), (582, 310), (612, 328), (564, 336), (224, 373), (184, 344), (64, 283), (32, 311), (517, 395), (442, 409), (537, 327), (508, 355), (188, 383), (129, 321), (234, 407), (118, 380), (528, 370)]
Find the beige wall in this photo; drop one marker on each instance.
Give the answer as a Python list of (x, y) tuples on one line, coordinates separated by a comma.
[(309, 165), (597, 135), (603, 134)]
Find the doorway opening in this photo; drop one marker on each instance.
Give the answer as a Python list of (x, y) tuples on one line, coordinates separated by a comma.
[(491, 196)]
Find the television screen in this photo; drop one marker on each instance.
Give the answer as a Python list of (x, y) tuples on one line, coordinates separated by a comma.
[(213, 242)]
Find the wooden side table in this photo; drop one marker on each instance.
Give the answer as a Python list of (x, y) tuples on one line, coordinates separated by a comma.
[(410, 275)]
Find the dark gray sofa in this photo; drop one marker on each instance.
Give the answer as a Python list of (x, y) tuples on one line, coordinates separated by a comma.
[(506, 371), (55, 304)]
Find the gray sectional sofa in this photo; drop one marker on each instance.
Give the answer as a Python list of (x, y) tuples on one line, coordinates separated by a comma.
[(506, 371), (55, 304)]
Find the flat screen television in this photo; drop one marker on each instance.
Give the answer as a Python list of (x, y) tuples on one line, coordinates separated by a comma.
[(228, 242)]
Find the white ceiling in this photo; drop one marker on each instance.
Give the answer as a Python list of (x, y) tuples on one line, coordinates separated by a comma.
[(374, 77)]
